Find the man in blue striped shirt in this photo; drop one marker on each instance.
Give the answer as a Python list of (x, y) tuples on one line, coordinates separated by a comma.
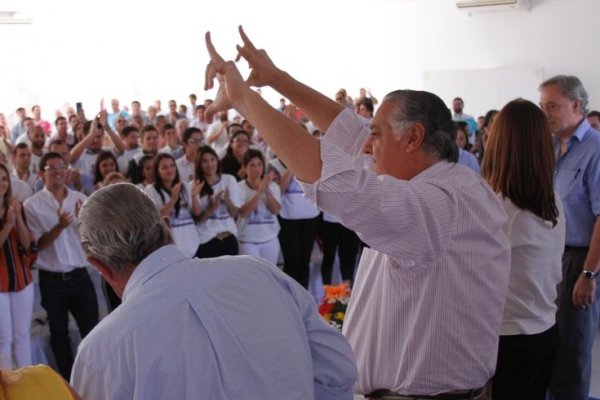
[(577, 179), (219, 329)]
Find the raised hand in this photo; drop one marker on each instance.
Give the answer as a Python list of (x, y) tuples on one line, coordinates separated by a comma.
[(232, 87), (262, 69), (176, 190), (64, 219), (11, 216), (78, 205), (265, 182), (197, 187)]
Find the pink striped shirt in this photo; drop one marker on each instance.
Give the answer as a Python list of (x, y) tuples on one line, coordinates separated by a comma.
[(428, 300)]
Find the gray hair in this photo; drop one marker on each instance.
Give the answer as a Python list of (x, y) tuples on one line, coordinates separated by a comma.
[(571, 87), (120, 226), (429, 110)]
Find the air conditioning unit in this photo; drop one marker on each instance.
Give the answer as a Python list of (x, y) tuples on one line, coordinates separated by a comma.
[(14, 18), (476, 6)]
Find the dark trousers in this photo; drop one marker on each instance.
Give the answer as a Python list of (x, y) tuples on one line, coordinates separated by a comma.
[(62, 293), (297, 237), (577, 330), (216, 247), (525, 366), (335, 236)]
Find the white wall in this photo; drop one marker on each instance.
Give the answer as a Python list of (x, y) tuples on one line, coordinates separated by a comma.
[(82, 51)]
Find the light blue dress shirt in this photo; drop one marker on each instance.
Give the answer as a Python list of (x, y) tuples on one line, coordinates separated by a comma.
[(577, 179), (223, 328), (468, 160)]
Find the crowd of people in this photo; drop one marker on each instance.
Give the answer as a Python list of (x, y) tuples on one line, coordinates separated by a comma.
[(476, 281)]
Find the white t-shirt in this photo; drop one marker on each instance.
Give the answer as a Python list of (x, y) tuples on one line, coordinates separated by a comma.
[(220, 145), (293, 203), (186, 168), (182, 226), (221, 220), (128, 155), (260, 225), (536, 265), (65, 253)]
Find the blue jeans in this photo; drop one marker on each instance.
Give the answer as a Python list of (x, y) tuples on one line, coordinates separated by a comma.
[(577, 331)]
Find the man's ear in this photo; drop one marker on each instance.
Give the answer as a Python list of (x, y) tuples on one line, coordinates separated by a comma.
[(416, 137)]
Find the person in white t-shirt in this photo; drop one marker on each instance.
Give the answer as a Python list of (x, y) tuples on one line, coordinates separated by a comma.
[(220, 201), (176, 200), (257, 221), (522, 176)]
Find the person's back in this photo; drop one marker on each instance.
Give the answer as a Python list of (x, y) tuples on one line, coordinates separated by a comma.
[(223, 328), (226, 328)]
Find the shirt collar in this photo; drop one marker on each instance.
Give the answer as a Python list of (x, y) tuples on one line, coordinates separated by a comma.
[(150, 266), (581, 130), (436, 169)]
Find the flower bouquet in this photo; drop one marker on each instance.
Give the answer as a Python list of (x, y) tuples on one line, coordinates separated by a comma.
[(334, 303)]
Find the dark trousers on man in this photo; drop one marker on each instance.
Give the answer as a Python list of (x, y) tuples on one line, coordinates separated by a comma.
[(577, 330), (63, 292), (525, 365), (297, 238)]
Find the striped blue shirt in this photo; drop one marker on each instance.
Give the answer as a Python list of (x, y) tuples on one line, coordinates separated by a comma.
[(218, 329), (577, 179)]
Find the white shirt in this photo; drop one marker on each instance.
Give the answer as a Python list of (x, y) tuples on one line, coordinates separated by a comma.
[(182, 226), (31, 180), (427, 304), (20, 190), (128, 155), (65, 253), (260, 225), (220, 145), (293, 203), (536, 270), (186, 169), (220, 220), (220, 329)]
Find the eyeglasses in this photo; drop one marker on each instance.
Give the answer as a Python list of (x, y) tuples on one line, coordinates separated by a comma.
[(57, 167), (195, 140)]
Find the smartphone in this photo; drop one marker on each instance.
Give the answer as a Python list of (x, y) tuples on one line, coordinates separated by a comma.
[(78, 107)]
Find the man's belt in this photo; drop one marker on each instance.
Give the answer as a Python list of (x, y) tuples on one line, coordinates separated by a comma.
[(474, 394)]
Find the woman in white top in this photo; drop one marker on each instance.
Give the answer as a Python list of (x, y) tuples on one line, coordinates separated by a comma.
[(257, 221), (519, 165), (220, 202), (176, 200), (299, 220)]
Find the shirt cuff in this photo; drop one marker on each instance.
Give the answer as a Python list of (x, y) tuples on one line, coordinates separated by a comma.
[(335, 161)]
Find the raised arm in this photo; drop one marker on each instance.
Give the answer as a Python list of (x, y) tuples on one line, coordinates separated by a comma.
[(284, 135)]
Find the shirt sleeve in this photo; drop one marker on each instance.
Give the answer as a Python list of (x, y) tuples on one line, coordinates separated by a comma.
[(404, 219), (592, 181), (33, 222), (349, 131), (334, 367)]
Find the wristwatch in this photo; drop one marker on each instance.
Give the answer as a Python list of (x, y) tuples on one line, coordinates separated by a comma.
[(589, 274)]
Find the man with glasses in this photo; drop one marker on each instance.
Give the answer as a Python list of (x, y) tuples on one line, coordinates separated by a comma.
[(192, 139), (564, 100), (65, 284)]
